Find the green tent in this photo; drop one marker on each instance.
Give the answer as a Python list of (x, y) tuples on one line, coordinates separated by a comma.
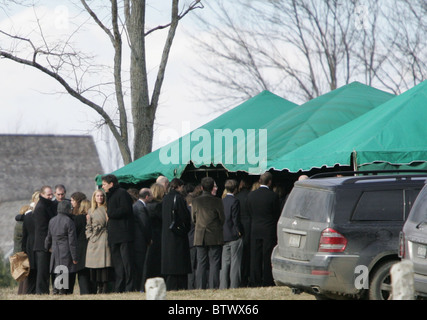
[(391, 135), (320, 116), (213, 143)]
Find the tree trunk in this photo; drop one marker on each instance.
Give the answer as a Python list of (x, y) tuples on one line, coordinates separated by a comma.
[(143, 111), (140, 101)]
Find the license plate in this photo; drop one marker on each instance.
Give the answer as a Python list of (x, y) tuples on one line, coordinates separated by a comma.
[(294, 240), (422, 251)]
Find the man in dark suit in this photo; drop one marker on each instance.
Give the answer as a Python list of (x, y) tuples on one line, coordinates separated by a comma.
[(233, 244), (43, 212), (264, 209), (142, 235), (120, 229), (245, 219), (208, 217)]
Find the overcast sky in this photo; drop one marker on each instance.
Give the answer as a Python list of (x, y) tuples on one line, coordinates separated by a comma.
[(29, 107)]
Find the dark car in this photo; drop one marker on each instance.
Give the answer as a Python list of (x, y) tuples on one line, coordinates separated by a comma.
[(339, 236), (413, 245)]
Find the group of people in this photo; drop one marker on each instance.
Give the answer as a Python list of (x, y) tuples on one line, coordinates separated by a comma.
[(120, 238), (64, 239)]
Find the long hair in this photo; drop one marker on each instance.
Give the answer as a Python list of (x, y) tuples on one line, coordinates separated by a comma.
[(84, 206), (78, 197), (158, 191), (94, 204), (34, 199), (176, 183)]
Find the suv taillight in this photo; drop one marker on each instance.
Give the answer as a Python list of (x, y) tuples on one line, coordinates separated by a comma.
[(332, 241), (402, 250)]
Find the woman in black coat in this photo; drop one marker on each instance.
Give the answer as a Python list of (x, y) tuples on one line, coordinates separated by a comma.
[(81, 206), (175, 253), (28, 236), (154, 208)]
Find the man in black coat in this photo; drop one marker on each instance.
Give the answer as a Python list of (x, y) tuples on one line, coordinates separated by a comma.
[(264, 209), (175, 249), (120, 229), (245, 219), (43, 212), (142, 235)]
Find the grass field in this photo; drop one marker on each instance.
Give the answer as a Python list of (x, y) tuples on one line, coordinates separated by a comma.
[(265, 293)]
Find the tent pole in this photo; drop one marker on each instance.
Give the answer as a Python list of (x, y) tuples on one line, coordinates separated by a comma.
[(354, 156)]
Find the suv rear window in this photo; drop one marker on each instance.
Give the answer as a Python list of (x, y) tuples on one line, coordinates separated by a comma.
[(310, 204), (380, 206), (419, 210)]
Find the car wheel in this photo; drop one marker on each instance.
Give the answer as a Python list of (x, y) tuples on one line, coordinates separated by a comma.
[(380, 287)]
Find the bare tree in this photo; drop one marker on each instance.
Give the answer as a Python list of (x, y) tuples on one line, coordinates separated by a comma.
[(305, 48), (125, 24), (228, 53), (405, 61), (306, 45)]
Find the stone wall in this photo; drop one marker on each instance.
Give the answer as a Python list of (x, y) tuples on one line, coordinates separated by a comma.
[(27, 162)]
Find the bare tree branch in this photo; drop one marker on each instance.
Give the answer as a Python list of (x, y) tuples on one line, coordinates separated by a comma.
[(197, 4), (313, 46), (73, 69)]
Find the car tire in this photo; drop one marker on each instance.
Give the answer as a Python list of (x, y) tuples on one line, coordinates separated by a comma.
[(380, 287)]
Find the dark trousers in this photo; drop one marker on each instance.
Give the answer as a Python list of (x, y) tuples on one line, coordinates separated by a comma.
[(140, 256), (192, 275), (122, 258), (208, 258), (245, 266), (43, 274), (31, 282), (261, 274), (176, 282), (86, 285)]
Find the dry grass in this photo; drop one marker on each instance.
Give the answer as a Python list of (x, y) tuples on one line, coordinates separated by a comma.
[(266, 293)]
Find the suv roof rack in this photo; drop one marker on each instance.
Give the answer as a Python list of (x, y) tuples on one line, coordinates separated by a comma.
[(364, 173)]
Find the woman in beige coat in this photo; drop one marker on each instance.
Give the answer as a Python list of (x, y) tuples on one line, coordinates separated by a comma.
[(98, 257)]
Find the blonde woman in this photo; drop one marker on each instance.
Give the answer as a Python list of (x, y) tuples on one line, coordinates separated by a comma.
[(98, 257), (154, 208), (28, 237), (34, 199)]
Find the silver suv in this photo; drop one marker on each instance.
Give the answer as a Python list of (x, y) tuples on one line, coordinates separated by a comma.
[(413, 242), (339, 236)]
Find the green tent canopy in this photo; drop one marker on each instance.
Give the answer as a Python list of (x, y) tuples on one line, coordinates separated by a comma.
[(320, 116), (391, 135), (212, 143)]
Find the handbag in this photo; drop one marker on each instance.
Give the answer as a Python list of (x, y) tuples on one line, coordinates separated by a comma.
[(177, 226), (19, 266)]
